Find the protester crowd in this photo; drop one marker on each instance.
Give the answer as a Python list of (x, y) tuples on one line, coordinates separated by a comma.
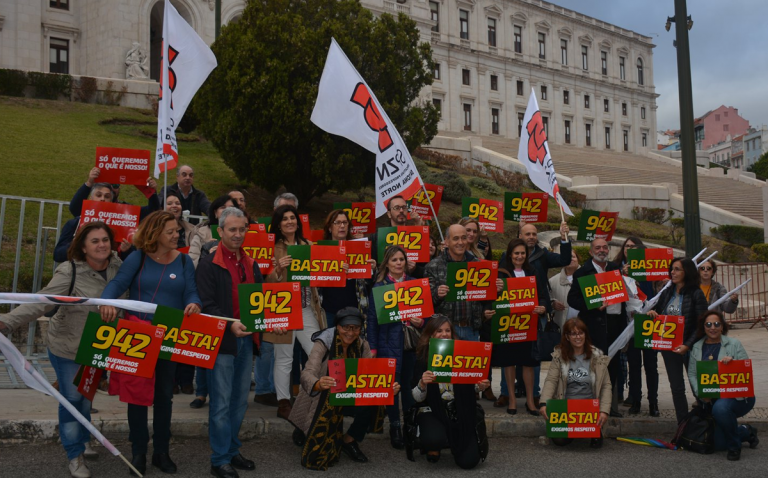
[(175, 263)]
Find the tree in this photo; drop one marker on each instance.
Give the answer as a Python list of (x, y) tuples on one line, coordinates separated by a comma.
[(760, 167), (255, 106)]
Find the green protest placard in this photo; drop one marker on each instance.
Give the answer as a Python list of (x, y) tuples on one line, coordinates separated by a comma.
[(459, 361), (472, 280), (403, 301), (597, 225), (719, 380), (573, 418), (649, 264), (601, 289), (526, 207)]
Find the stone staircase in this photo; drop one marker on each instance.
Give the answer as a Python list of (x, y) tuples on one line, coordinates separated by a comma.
[(626, 168)]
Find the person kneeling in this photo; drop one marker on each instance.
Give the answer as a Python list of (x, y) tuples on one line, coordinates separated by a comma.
[(319, 425), (578, 371), (447, 415)]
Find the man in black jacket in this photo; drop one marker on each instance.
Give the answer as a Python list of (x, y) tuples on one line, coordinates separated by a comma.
[(192, 200)]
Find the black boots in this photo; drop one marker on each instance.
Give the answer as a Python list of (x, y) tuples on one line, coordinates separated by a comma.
[(653, 408), (396, 437)]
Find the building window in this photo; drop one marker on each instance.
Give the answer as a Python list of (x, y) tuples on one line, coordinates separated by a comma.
[(640, 79), (586, 101), (604, 62), (60, 4), (717, 117), (543, 93), (465, 77), (491, 32), (566, 97), (622, 70), (624, 109), (588, 134), (567, 132), (564, 52), (467, 117), (464, 24), (725, 127), (518, 39), (584, 58), (437, 71), (519, 88), (607, 137), (494, 83), (725, 113), (520, 118), (494, 120), (642, 112), (626, 140), (438, 103), (606, 105), (542, 45), (434, 9), (59, 52), (545, 122)]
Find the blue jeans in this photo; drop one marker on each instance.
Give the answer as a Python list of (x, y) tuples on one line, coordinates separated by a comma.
[(728, 433), (230, 381), (264, 369), (73, 435), (466, 333), (201, 382)]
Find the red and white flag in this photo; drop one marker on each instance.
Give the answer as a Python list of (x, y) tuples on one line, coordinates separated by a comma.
[(186, 63), (346, 106), (534, 153)]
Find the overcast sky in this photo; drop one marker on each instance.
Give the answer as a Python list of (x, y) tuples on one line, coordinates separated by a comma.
[(729, 52)]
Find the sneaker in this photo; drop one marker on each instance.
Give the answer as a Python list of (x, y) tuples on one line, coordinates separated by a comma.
[(90, 453), (78, 468)]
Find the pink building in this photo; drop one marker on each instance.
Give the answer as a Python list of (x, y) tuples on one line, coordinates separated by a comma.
[(718, 125)]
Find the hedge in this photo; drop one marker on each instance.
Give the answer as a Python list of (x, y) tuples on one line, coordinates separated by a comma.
[(746, 236)]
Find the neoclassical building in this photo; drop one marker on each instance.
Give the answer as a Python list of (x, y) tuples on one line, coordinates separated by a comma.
[(593, 80)]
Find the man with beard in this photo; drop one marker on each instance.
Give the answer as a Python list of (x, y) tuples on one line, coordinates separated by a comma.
[(606, 323), (397, 211)]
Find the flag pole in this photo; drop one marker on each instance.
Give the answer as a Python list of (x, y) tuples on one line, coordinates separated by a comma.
[(432, 208)]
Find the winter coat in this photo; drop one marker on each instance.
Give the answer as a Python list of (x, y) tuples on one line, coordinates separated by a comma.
[(201, 235), (556, 382), (197, 203), (717, 291), (388, 340), (694, 304)]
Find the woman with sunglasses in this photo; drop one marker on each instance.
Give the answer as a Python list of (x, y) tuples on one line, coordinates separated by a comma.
[(684, 297), (578, 371), (714, 290), (714, 344)]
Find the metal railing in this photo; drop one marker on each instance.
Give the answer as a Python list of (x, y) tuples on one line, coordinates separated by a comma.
[(753, 298)]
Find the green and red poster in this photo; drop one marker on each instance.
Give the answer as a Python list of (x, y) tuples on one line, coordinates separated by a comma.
[(664, 332), (260, 247), (472, 280), (597, 225), (731, 380), (315, 236), (87, 380), (513, 319), (268, 305), (490, 214), (122, 165), (526, 207), (257, 227), (414, 239), (361, 216), (266, 220), (573, 418), (420, 201), (649, 264), (317, 266), (192, 340), (601, 289), (362, 382), (123, 219), (459, 361), (122, 346), (358, 254), (403, 301)]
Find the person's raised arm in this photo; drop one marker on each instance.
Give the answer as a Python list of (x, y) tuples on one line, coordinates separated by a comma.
[(25, 313)]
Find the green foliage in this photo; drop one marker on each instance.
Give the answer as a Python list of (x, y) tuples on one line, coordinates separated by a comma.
[(86, 89), (760, 167), (743, 235), (761, 250), (496, 254), (454, 187), (575, 220), (732, 253), (573, 199), (256, 105), (582, 252), (50, 86), (677, 229), (12, 82), (485, 185), (656, 215)]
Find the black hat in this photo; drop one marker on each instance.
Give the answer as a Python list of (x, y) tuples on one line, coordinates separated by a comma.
[(349, 316)]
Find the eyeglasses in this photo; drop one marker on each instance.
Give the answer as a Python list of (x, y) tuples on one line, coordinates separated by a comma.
[(577, 333), (676, 269), (399, 208), (716, 325), (341, 223), (627, 246), (350, 328), (705, 269)]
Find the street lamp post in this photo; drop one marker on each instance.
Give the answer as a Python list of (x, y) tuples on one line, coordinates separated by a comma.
[(218, 18)]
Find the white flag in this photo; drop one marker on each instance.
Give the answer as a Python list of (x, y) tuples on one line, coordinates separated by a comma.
[(186, 63), (534, 153), (347, 107)]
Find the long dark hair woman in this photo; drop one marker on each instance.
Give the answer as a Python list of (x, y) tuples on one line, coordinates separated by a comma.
[(159, 274), (684, 297), (90, 265), (447, 414)]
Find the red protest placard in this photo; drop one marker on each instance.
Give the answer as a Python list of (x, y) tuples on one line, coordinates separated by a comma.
[(475, 281), (257, 227), (663, 332), (362, 382), (520, 293), (649, 264), (597, 225), (267, 305), (87, 381), (123, 166), (195, 340), (123, 219), (459, 361), (720, 380), (573, 418), (306, 230), (261, 247), (403, 301), (526, 207), (605, 288), (317, 266), (361, 215), (490, 214), (358, 254), (420, 203), (414, 239), (315, 235)]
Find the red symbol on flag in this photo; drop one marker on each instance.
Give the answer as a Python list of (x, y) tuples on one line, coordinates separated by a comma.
[(373, 119), (172, 54), (536, 139)]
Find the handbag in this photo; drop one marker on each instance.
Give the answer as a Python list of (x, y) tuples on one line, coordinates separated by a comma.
[(549, 337), (696, 432), (411, 336)]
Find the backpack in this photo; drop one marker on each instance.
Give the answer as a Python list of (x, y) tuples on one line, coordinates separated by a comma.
[(696, 432)]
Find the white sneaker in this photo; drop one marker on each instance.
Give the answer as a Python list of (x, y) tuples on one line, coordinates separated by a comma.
[(90, 453), (78, 468)]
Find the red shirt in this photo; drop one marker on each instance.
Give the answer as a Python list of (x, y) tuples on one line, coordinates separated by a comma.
[(241, 273)]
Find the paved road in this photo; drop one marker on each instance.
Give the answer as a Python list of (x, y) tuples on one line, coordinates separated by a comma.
[(278, 457)]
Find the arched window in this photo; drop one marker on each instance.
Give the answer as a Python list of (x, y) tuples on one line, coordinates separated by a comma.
[(640, 80), (156, 34)]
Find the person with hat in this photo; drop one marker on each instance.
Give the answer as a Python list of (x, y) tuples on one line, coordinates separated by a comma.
[(319, 425)]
